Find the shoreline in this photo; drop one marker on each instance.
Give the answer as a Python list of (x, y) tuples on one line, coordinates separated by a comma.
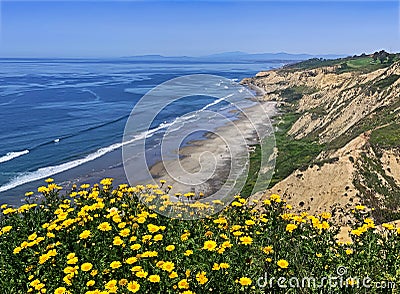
[(213, 142), (110, 165)]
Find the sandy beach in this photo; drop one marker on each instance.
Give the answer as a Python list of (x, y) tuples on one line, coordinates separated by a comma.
[(209, 160)]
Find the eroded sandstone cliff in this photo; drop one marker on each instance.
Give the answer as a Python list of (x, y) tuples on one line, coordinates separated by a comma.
[(351, 108)]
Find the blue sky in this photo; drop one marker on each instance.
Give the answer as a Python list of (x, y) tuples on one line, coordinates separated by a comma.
[(123, 28)]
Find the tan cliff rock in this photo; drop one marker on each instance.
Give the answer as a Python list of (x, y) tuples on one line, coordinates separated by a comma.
[(321, 188)]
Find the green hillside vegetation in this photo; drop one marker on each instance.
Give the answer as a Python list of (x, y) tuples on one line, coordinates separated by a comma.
[(292, 154), (387, 136), (362, 63)]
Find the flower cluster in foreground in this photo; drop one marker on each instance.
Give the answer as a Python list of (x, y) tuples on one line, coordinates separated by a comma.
[(97, 239)]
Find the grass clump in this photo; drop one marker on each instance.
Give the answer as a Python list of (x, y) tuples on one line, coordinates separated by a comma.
[(384, 83), (254, 169), (387, 136), (293, 94)]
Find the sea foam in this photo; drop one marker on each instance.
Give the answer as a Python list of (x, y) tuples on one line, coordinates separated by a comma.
[(49, 171), (11, 155)]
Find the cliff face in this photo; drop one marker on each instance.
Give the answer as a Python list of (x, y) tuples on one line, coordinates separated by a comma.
[(351, 108)]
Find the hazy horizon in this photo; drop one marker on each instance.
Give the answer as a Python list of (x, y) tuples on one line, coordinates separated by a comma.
[(179, 56), (106, 29)]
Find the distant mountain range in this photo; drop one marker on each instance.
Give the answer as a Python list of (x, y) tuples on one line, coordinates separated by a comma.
[(235, 56), (268, 56)]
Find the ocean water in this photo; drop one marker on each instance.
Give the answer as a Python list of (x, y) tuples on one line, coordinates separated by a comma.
[(65, 118)]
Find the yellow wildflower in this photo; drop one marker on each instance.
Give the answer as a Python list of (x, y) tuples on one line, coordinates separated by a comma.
[(188, 252), (87, 266), (282, 263), (154, 278), (60, 290), (201, 278), (135, 246), (246, 240), (85, 234), (183, 284), (244, 281), (115, 264), (133, 286), (291, 227), (131, 260), (105, 226), (268, 249), (210, 245), (170, 248), (168, 266)]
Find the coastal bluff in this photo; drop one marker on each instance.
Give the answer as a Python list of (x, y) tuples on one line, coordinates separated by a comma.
[(350, 109)]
